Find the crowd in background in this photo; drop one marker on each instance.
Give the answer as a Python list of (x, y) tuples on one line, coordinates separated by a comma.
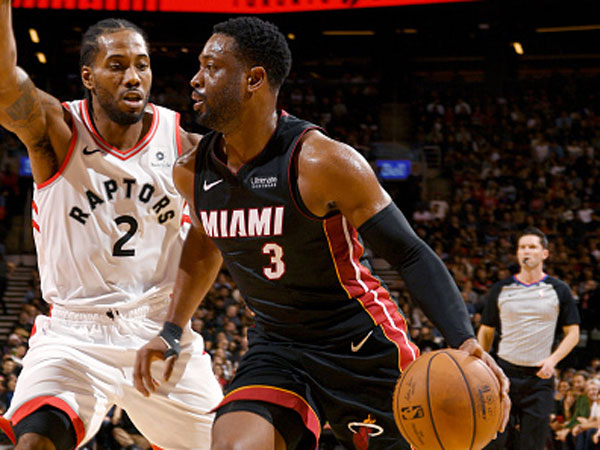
[(530, 156)]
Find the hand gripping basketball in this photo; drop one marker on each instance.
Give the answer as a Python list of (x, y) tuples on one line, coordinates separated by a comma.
[(171, 336)]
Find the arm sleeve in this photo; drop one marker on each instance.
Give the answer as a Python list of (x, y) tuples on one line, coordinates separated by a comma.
[(429, 282)]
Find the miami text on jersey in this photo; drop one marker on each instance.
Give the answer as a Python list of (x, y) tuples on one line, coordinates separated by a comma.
[(249, 222), (143, 194)]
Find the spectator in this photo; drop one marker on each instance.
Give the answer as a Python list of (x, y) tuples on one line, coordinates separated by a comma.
[(584, 431), (125, 432), (3, 280), (579, 409)]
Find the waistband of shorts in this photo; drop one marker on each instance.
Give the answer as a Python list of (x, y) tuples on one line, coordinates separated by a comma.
[(110, 313), (526, 370)]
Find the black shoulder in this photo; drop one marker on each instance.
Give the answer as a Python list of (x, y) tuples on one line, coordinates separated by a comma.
[(497, 287), (293, 126), (562, 289)]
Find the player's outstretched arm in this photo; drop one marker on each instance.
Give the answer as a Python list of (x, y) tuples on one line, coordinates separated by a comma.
[(20, 108), (33, 115), (198, 268), (333, 176)]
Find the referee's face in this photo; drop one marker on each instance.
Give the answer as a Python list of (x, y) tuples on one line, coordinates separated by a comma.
[(530, 252)]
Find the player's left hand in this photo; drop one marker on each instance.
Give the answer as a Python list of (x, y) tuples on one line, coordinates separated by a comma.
[(472, 347), (154, 350)]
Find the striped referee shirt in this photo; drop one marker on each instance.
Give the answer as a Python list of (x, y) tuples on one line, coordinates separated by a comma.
[(527, 317)]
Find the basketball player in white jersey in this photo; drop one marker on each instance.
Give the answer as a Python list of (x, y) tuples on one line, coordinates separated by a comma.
[(108, 226)]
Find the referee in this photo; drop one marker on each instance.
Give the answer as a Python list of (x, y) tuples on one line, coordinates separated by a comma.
[(527, 309)]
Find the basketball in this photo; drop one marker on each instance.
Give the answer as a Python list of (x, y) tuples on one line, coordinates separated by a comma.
[(448, 400)]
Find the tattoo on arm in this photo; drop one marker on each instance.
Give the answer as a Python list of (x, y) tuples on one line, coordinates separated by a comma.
[(23, 109)]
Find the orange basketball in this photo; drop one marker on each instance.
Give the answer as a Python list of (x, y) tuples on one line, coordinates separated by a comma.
[(448, 400)]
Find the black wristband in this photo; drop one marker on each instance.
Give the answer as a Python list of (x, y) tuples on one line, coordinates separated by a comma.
[(171, 335)]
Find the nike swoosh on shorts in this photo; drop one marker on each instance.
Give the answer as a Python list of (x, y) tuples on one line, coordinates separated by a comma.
[(358, 346)]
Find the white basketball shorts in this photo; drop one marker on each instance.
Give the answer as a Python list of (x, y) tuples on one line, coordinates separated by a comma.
[(83, 363)]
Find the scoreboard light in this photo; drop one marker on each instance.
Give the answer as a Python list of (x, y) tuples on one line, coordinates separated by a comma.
[(220, 6)]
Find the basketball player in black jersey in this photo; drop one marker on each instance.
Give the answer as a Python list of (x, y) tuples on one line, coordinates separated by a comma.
[(285, 207)]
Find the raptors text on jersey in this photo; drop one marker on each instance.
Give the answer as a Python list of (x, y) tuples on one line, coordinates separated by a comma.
[(108, 226)]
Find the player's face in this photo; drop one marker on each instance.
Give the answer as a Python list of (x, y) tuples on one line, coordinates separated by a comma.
[(530, 252), (120, 77), (219, 84)]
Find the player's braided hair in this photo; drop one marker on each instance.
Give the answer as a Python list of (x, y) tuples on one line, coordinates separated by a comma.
[(260, 43), (89, 41)]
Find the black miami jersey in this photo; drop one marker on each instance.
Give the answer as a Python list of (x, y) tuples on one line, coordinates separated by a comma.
[(329, 342), (305, 277)]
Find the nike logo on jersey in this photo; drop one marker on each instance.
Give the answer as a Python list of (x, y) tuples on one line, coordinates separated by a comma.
[(358, 346), (90, 152), (209, 186)]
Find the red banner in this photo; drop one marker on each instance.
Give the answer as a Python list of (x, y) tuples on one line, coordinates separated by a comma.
[(220, 6)]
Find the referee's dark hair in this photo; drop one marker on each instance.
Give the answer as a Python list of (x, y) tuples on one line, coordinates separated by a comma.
[(536, 232)]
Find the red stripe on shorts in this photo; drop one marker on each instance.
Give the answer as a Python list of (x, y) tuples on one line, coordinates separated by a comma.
[(34, 404), (281, 397), (360, 284), (7, 429)]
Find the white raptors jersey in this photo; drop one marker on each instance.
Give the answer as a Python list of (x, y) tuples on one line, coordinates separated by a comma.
[(108, 226)]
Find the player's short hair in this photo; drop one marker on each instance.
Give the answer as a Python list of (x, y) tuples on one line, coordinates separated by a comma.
[(89, 41), (260, 43), (536, 232)]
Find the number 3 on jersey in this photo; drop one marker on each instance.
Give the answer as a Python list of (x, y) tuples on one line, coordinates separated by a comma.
[(277, 268)]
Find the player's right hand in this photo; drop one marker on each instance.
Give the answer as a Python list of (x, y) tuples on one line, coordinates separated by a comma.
[(473, 347), (154, 350)]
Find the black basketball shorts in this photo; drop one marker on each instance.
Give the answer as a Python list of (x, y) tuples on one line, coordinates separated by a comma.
[(348, 385)]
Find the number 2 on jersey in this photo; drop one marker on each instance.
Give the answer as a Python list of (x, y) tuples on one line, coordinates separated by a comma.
[(277, 267), (118, 249)]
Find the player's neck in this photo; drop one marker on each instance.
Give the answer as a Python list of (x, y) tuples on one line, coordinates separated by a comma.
[(529, 276), (122, 137), (249, 138)]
